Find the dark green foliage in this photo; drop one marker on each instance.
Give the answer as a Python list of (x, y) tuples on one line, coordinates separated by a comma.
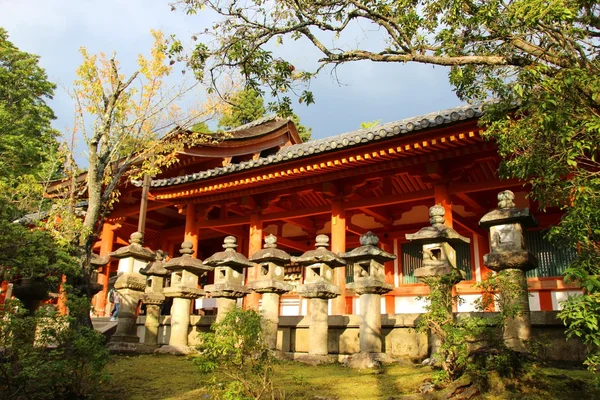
[(26, 137), (457, 338), (46, 356), (235, 353), (30, 253)]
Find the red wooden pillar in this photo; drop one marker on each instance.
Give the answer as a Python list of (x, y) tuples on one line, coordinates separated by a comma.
[(191, 233), (442, 197), (107, 238), (3, 292), (484, 248), (62, 296), (390, 299), (254, 244), (338, 245)]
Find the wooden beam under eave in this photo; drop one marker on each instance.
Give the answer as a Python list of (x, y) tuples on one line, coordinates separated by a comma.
[(465, 198), (292, 244), (306, 224), (355, 229), (233, 231), (471, 187), (474, 229), (378, 216), (213, 223), (132, 210), (389, 200)]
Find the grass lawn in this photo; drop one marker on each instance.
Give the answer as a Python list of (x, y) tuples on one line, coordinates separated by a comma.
[(150, 377)]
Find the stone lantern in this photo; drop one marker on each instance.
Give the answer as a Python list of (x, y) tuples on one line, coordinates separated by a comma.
[(510, 257), (319, 288), (439, 256), (369, 282), (439, 268), (271, 285), (153, 297), (130, 285), (229, 274), (185, 273)]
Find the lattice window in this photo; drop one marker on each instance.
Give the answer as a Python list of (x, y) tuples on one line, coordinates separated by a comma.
[(552, 261)]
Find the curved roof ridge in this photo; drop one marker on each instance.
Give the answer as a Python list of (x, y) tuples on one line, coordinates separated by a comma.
[(348, 139), (256, 122)]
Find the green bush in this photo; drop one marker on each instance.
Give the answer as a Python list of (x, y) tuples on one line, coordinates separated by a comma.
[(237, 357), (47, 356)]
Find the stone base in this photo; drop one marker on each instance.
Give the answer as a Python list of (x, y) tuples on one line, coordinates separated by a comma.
[(368, 360), (128, 347), (175, 350), (311, 359), (124, 339)]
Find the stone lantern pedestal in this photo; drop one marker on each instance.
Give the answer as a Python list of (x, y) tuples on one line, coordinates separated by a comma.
[(271, 285), (510, 257), (185, 271), (318, 287), (154, 297), (369, 283), (229, 274), (439, 269), (130, 285)]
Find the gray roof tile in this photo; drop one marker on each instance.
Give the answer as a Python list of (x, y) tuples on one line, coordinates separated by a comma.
[(348, 139)]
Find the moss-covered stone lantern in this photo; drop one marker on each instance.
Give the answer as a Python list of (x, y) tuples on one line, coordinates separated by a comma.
[(130, 285), (319, 288), (369, 283), (229, 268), (185, 273), (510, 257), (271, 285), (154, 297)]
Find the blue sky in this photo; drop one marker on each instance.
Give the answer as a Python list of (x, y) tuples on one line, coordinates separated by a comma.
[(56, 29)]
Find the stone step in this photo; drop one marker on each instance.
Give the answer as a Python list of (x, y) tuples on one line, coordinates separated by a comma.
[(104, 325)]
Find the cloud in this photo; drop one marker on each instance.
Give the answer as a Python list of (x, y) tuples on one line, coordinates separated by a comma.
[(55, 29)]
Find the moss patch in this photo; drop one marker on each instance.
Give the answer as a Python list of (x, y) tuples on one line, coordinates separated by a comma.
[(149, 377)]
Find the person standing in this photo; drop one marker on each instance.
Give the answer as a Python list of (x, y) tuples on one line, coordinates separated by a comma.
[(113, 297)]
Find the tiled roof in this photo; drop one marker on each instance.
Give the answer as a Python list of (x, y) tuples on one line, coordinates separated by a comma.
[(349, 139)]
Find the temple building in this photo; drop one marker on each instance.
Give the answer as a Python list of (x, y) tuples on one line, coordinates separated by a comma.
[(262, 180)]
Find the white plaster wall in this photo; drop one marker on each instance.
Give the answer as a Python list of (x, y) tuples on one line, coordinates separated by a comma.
[(409, 305), (303, 306), (290, 307), (468, 303), (534, 301), (558, 296), (205, 303), (356, 306)]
